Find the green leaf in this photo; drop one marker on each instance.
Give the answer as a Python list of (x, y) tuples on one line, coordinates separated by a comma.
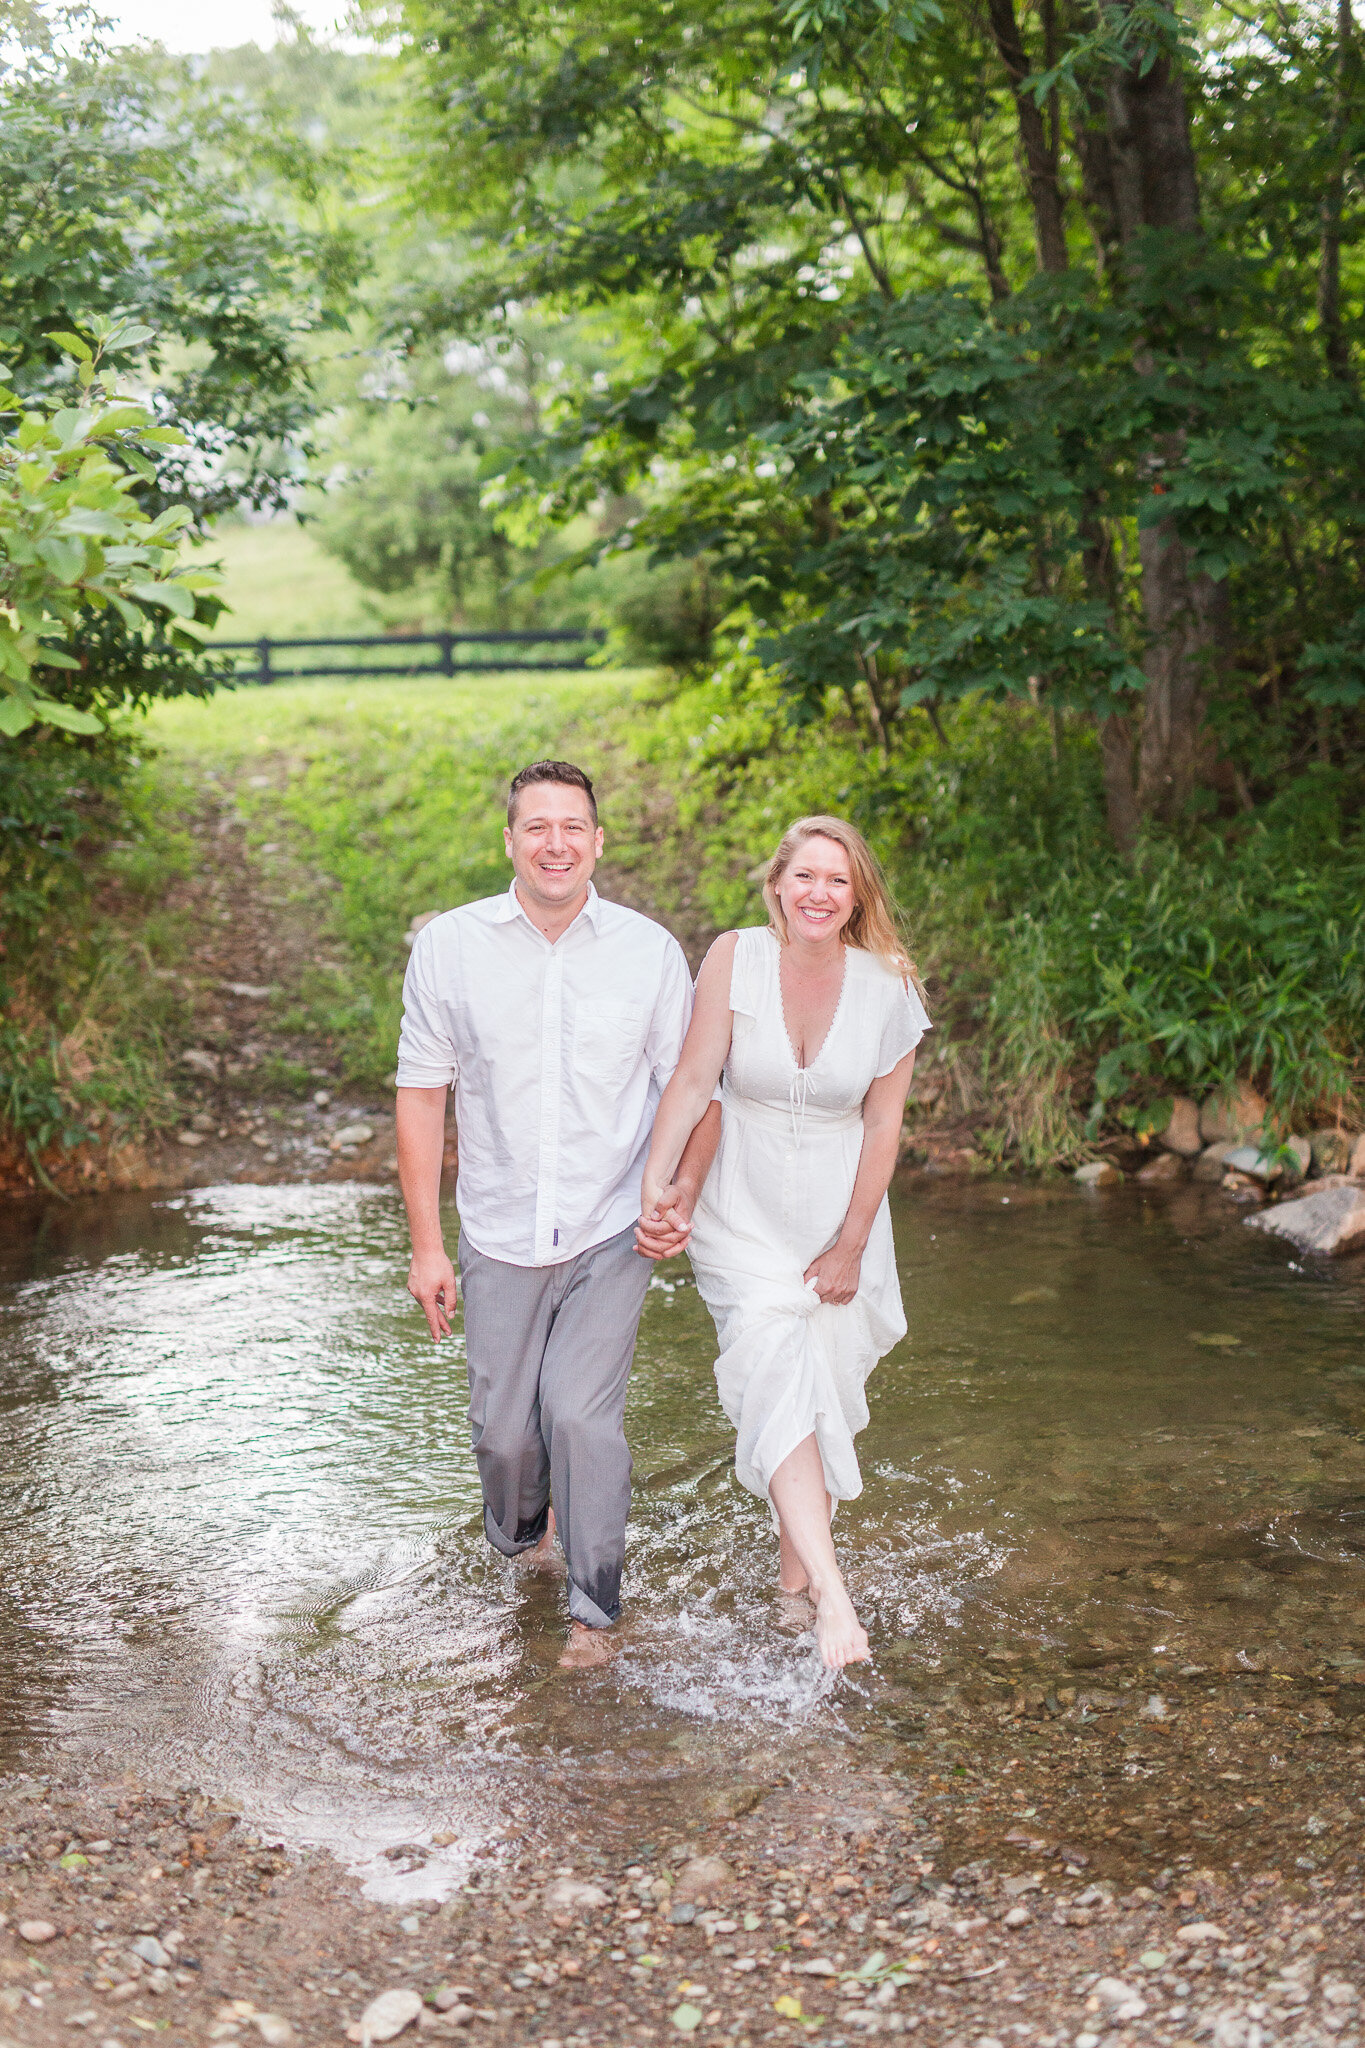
[(72, 343), (65, 558), (16, 715), (171, 595), (66, 716)]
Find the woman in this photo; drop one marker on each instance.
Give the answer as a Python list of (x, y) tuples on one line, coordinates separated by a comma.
[(814, 1023)]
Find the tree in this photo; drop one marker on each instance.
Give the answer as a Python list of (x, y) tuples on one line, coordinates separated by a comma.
[(132, 203), (74, 540), (1003, 347)]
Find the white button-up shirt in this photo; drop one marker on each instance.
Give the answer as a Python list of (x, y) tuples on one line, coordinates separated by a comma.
[(558, 1055)]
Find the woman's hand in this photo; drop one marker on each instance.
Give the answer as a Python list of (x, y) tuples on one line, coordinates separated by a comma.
[(836, 1273), (666, 1224)]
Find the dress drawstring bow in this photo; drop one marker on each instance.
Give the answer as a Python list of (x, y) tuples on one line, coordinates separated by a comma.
[(796, 1102)]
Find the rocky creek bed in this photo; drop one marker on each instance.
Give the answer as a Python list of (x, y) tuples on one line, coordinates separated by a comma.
[(1081, 1859)]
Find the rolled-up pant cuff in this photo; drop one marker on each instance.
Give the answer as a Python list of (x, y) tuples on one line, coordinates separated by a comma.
[(513, 1546), (586, 1610)]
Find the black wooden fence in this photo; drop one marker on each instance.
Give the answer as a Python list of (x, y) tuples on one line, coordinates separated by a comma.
[(455, 654)]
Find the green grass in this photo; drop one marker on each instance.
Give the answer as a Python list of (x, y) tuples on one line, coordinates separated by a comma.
[(394, 794), (278, 580)]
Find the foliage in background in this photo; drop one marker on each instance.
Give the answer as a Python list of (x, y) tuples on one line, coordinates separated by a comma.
[(1058, 974), (133, 197), (77, 549), (1006, 349)]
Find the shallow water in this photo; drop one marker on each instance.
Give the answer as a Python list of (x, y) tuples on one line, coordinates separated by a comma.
[(242, 1544)]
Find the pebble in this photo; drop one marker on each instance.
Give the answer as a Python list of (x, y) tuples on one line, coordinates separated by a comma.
[(274, 2030), (321, 1098), (704, 1874), (687, 2018), (572, 1895), (36, 1930), (1113, 1991), (352, 1134), (1099, 1173), (1017, 1916), (1199, 1930), (385, 2017), (683, 1913), (149, 1949), (189, 1138)]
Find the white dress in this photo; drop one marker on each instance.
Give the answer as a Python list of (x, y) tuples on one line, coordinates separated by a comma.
[(776, 1197)]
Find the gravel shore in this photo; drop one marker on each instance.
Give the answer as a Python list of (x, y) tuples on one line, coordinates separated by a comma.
[(1085, 1876)]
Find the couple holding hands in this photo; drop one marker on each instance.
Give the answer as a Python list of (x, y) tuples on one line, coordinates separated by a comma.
[(608, 1117)]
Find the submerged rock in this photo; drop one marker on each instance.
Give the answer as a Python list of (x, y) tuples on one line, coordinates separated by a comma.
[(1165, 1168), (1330, 1221), (1098, 1173)]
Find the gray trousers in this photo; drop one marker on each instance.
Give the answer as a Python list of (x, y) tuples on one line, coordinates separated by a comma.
[(549, 1351)]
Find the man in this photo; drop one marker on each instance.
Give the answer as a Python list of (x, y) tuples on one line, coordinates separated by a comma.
[(558, 1019)]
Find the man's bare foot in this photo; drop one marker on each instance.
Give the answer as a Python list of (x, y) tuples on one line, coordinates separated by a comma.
[(542, 1558), (838, 1631), (587, 1648)]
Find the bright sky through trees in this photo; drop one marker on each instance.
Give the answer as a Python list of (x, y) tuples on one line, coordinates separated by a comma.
[(210, 24)]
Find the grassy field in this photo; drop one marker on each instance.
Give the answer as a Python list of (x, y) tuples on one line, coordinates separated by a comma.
[(392, 796), (278, 580)]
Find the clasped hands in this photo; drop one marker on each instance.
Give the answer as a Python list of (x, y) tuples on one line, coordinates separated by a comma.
[(665, 1223)]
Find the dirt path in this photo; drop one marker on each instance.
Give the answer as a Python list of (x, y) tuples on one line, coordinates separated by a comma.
[(247, 1111)]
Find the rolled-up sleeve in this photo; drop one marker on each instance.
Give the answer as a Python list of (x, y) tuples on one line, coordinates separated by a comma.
[(672, 1015), (426, 1050)]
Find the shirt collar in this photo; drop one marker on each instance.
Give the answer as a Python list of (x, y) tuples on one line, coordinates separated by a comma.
[(511, 908)]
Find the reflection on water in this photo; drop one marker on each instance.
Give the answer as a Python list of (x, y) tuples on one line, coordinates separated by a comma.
[(242, 1544)]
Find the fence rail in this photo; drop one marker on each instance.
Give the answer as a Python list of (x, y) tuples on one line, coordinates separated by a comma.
[(455, 653)]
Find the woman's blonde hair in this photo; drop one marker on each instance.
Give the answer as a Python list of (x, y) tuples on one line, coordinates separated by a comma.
[(875, 922)]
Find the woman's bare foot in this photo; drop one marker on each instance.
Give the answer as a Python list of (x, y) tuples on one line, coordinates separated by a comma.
[(587, 1648), (542, 1558), (838, 1631), (794, 1611)]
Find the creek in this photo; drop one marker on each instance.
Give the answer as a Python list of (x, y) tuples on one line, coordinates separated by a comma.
[(242, 1547)]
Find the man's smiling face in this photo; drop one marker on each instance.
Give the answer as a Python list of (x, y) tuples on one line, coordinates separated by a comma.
[(552, 844)]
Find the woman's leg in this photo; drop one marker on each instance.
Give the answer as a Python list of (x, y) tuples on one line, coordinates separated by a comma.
[(798, 1493)]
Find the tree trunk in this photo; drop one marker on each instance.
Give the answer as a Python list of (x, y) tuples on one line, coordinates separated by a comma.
[(1156, 186), (1037, 137), (1334, 343), (1184, 614), (1120, 797)]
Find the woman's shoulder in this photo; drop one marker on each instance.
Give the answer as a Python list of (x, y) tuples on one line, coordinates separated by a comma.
[(873, 969)]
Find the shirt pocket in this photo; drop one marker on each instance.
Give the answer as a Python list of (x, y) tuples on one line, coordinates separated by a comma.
[(608, 1040)]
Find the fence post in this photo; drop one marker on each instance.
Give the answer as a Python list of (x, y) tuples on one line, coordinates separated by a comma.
[(263, 648), (447, 654)]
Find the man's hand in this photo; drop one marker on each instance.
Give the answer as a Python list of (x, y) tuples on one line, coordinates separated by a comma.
[(431, 1281), (665, 1230), (836, 1273)]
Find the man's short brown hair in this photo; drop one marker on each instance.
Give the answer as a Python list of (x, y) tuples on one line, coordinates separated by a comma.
[(550, 771)]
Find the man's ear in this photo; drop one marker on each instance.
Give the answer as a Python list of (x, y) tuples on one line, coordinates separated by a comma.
[(507, 841), (596, 847)]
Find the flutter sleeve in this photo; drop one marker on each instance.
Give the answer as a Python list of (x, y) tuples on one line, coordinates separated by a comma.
[(904, 1024), (746, 972)]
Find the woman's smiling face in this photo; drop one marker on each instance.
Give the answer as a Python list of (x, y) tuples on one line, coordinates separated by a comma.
[(815, 890)]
